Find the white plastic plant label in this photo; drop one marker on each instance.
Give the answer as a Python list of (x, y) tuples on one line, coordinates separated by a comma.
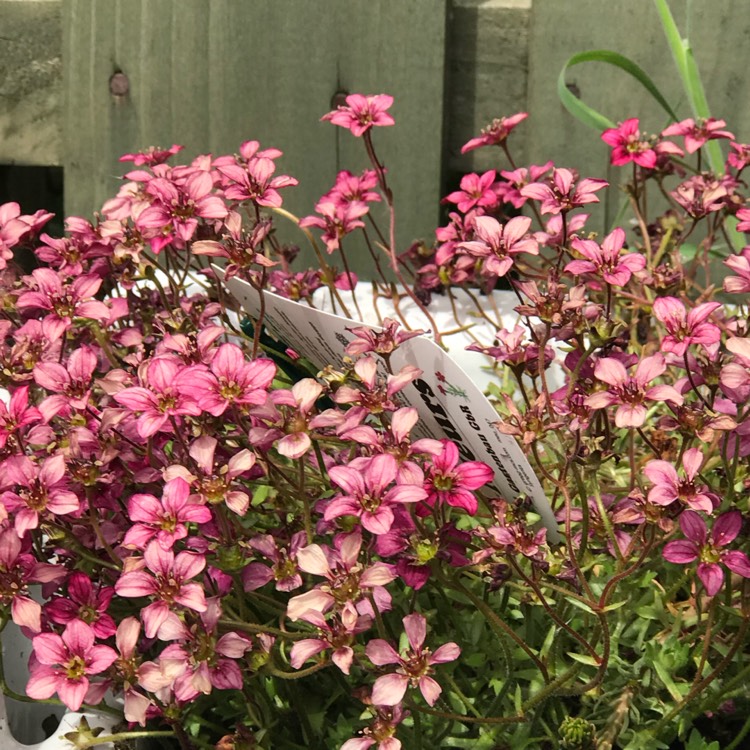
[(448, 401)]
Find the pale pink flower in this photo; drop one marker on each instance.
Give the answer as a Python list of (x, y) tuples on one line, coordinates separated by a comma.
[(414, 666), (65, 663), (740, 264), (734, 377), (164, 519), (366, 482), (347, 580), (668, 486), (18, 569), (361, 113), (698, 133), (628, 146), (498, 245), (384, 341), (336, 221), (496, 133), (685, 328), (700, 196), (629, 393), (606, 260), (708, 551), (509, 189)]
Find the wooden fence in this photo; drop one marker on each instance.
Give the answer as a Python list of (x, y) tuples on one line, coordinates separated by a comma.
[(83, 81)]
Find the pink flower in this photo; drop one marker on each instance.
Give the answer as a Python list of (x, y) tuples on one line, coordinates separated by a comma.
[(361, 113), (381, 730), (627, 145), (383, 342), (17, 570), (229, 379), (71, 383), (685, 328), (65, 663), (84, 602), (606, 260), (164, 519), (449, 482), (630, 392), (414, 667), (15, 416), (157, 398), (698, 546), (336, 221), (560, 193), (697, 133), (168, 584), (740, 264), (151, 156), (39, 490), (499, 244), (347, 581), (668, 487), (285, 568), (365, 482), (476, 190), (253, 180), (496, 133)]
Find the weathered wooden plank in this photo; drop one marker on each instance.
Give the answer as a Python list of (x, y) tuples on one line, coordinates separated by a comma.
[(30, 82), (212, 74), (719, 35)]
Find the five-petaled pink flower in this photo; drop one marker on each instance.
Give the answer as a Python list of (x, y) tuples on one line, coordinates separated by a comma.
[(561, 194), (84, 602), (336, 221), (476, 191), (499, 244), (454, 483), (685, 328), (606, 260), (668, 486), (164, 519), (65, 663), (697, 133), (414, 667), (627, 145), (361, 113), (496, 133), (366, 482), (16, 415), (368, 339), (708, 550), (630, 393)]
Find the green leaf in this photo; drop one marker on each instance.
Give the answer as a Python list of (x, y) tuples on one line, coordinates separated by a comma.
[(583, 659), (590, 116), (665, 677)]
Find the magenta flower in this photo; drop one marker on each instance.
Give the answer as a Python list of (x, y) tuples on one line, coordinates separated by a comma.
[(253, 180), (630, 393), (151, 156), (708, 551), (70, 383), (361, 113), (39, 490), (496, 133), (168, 584), (164, 519), (606, 260), (229, 379), (365, 482), (560, 193), (685, 328), (381, 730), (476, 190), (449, 482), (697, 133), (668, 487), (499, 244), (414, 667), (628, 146), (84, 602), (65, 663)]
